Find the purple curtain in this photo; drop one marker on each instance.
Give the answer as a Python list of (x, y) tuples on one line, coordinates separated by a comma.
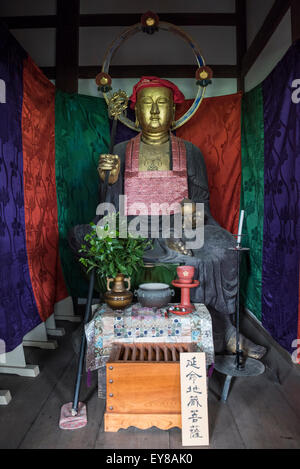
[(281, 237), (18, 309), (123, 133)]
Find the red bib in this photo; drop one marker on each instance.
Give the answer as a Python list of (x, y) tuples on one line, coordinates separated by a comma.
[(152, 188)]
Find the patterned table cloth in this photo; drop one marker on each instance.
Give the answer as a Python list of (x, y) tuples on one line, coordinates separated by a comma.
[(139, 324)]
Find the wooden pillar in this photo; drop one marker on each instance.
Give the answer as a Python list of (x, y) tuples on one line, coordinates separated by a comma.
[(241, 40), (67, 45), (295, 19)]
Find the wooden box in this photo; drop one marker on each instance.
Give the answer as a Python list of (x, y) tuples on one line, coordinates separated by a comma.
[(143, 385)]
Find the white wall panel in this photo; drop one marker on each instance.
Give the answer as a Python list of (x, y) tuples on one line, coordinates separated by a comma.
[(39, 44), (217, 44), (219, 86)]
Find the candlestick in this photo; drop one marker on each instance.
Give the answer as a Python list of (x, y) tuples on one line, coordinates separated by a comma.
[(237, 365), (239, 238)]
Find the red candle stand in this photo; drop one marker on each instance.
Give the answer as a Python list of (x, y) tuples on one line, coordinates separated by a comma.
[(185, 306)]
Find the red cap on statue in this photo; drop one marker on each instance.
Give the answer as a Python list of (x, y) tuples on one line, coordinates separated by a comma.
[(146, 82)]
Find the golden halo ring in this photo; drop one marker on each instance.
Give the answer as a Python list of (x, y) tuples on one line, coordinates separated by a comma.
[(136, 28)]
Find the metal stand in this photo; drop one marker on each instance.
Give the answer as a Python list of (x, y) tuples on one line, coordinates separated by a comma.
[(237, 365), (226, 364), (83, 343)]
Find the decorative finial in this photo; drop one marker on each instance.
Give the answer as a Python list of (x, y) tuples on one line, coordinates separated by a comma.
[(103, 80), (203, 76), (150, 22)]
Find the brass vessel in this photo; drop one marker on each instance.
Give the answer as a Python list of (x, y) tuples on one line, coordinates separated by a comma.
[(118, 296)]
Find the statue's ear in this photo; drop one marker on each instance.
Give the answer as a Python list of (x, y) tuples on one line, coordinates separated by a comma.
[(137, 123), (173, 117)]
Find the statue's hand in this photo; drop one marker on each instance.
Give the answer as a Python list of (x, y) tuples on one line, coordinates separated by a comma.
[(189, 214), (179, 246), (109, 163)]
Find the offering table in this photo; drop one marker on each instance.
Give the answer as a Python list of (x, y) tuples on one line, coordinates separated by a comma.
[(137, 324)]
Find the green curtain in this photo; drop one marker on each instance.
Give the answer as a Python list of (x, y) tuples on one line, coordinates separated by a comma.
[(160, 272), (252, 198), (81, 134)]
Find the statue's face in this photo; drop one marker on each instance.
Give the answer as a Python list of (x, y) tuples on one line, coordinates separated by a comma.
[(155, 109)]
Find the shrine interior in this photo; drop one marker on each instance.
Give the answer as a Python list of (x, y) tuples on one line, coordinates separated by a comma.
[(226, 73)]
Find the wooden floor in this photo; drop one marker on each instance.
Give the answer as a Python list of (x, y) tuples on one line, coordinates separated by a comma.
[(258, 414)]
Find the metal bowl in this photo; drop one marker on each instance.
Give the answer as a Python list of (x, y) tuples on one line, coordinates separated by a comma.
[(154, 295)]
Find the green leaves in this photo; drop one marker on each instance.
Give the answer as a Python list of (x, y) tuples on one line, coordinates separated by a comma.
[(112, 255)]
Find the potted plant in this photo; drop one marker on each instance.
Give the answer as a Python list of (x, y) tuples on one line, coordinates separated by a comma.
[(111, 255)]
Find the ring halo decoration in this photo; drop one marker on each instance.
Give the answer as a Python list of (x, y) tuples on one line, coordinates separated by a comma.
[(137, 28)]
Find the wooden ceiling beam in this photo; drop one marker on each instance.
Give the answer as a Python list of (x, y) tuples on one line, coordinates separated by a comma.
[(127, 19), (30, 22), (136, 71), (295, 19), (180, 19), (241, 40), (67, 45)]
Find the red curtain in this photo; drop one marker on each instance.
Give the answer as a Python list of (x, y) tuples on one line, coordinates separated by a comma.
[(216, 130), (38, 133)]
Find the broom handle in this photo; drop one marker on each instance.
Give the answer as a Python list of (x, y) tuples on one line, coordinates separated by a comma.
[(113, 135), (83, 343), (111, 147), (90, 294)]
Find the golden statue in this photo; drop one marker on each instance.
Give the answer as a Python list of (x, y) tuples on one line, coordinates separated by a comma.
[(155, 112), (135, 168)]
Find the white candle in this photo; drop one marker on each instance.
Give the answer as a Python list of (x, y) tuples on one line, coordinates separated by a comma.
[(239, 238)]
